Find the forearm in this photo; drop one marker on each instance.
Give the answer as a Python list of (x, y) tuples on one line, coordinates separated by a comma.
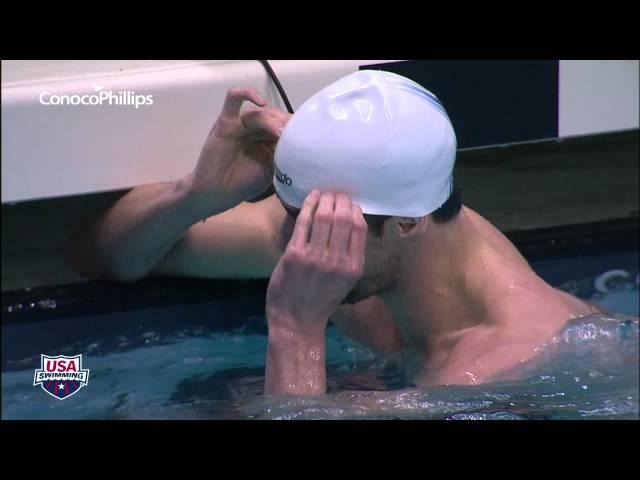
[(320, 266), (134, 234), (295, 363)]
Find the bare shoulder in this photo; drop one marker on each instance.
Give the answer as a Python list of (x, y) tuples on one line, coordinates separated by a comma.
[(479, 357), (584, 307), (494, 237), (492, 352)]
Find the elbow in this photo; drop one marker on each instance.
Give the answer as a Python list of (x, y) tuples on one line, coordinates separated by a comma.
[(86, 263), (72, 253), (120, 269), (122, 275)]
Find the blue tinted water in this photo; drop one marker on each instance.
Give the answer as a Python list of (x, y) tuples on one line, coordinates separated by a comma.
[(589, 371)]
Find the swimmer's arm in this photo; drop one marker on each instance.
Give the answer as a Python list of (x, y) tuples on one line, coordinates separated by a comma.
[(244, 242), (158, 229), (296, 363), (127, 240)]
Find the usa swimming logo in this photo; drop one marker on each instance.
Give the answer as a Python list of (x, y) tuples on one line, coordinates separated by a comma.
[(61, 376)]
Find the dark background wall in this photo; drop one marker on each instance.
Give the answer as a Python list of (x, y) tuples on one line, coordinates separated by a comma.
[(490, 102)]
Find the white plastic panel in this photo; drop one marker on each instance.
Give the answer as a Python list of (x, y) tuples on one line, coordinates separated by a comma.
[(598, 96), (53, 151)]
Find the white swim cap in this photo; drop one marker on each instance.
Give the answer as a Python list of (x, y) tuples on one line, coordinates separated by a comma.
[(377, 136)]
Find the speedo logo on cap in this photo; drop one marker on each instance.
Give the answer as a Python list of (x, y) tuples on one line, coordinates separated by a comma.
[(283, 177)]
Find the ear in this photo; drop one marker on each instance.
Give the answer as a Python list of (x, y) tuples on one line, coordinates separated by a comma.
[(408, 226)]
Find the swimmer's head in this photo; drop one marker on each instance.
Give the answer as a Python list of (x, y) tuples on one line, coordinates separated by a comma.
[(384, 240), (385, 141), (381, 138)]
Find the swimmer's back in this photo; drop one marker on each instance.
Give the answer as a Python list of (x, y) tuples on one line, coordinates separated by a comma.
[(503, 247), (494, 237)]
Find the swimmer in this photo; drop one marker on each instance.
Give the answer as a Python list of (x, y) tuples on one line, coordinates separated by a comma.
[(366, 229)]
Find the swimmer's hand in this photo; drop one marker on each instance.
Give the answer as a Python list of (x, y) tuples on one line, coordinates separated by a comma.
[(236, 161), (321, 264)]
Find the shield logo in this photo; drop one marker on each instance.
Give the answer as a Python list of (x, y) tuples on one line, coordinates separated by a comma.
[(61, 376)]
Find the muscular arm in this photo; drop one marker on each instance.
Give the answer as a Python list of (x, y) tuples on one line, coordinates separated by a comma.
[(127, 240), (243, 242), (154, 230), (295, 363)]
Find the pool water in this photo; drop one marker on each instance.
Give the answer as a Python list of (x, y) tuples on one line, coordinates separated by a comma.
[(178, 363)]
